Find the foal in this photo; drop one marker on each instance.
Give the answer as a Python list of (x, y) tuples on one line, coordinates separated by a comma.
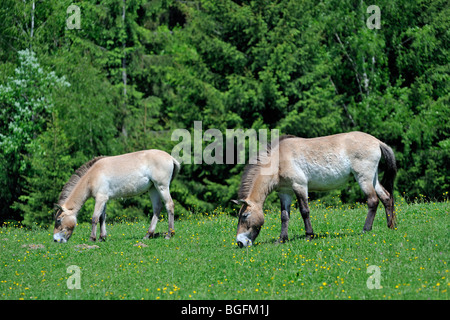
[(106, 178)]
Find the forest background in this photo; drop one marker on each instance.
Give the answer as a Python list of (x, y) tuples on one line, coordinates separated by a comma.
[(133, 71)]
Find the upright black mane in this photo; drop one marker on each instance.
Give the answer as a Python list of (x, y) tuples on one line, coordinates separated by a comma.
[(79, 173), (251, 170)]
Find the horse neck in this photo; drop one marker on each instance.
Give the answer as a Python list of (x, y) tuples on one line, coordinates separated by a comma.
[(263, 184), (78, 196)]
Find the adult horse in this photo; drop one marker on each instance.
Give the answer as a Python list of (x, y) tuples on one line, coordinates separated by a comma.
[(105, 178), (294, 166)]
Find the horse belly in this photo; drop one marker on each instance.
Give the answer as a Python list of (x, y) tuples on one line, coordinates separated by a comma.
[(328, 173), (129, 186), (324, 181)]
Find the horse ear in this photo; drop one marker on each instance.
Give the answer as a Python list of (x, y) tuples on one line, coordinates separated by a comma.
[(240, 202), (235, 201)]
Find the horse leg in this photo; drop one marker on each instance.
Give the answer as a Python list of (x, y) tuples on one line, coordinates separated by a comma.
[(372, 204), (103, 224), (285, 200), (167, 199), (367, 186), (388, 203), (157, 206), (100, 203), (302, 196)]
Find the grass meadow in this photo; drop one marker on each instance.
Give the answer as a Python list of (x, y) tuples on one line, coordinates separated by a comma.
[(202, 260)]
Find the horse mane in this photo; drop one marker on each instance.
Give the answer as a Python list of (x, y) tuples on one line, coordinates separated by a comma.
[(79, 173), (251, 170)]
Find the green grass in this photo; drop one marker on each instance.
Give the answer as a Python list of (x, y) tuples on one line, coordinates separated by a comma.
[(202, 261)]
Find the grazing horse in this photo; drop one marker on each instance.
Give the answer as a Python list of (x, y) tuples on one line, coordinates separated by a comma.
[(294, 166), (105, 178)]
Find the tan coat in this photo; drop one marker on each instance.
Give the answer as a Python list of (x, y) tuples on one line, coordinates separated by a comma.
[(298, 165), (121, 176)]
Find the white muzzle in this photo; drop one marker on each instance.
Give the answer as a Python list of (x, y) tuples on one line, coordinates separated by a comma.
[(59, 238), (243, 241)]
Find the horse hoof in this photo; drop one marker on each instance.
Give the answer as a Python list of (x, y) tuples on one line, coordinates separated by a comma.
[(149, 235), (169, 235), (92, 239)]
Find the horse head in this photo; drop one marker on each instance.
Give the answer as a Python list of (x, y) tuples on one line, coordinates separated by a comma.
[(251, 219), (65, 222)]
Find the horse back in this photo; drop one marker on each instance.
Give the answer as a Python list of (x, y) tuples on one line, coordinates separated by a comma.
[(130, 174), (326, 163)]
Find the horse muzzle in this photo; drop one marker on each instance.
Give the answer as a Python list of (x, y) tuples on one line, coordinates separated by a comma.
[(243, 241), (59, 238)]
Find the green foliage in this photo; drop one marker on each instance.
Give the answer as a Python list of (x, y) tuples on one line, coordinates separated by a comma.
[(26, 102), (50, 168), (140, 69)]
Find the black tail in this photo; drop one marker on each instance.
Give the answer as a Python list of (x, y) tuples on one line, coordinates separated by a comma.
[(390, 171)]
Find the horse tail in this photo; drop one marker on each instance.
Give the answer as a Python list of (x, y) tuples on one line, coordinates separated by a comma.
[(176, 168), (390, 171)]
